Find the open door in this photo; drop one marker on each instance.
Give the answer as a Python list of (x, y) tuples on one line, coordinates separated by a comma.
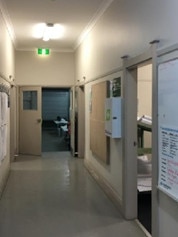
[(30, 120), (81, 121), (73, 121)]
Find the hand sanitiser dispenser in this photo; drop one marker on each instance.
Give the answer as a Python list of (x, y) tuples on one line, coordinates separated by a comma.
[(113, 112)]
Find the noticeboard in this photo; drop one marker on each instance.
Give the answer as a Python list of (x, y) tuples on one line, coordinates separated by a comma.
[(168, 127)]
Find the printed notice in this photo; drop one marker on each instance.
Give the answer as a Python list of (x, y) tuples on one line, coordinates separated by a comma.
[(168, 160)]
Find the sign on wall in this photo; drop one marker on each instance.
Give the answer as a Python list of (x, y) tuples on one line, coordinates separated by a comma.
[(168, 127)]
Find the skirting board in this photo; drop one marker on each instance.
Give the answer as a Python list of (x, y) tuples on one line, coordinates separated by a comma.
[(104, 185), (4, 182)]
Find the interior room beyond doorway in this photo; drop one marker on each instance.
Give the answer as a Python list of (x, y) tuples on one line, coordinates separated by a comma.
[(56, 121), (144, 133)]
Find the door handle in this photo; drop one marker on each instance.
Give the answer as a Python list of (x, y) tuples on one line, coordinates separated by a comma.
[(39, 120)]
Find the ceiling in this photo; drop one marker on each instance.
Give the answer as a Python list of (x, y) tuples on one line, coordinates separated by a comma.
[(77, 16)]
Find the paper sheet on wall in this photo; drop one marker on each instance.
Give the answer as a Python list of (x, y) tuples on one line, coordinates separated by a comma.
[(1, 145), (168, 127), (168, 168), (4, 141), (3, 125), (4, 106), (0, 130), (0, 111)]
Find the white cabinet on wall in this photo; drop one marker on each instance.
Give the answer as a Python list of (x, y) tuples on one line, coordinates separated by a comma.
[(113, 112)]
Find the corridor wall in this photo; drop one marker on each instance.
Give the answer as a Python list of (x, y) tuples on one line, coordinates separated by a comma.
[(125, 28), (6, 70), (56, 69)]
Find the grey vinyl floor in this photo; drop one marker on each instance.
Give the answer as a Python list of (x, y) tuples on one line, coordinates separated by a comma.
[(55, 196)]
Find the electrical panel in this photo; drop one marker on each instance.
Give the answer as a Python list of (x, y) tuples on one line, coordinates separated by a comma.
[(113, 112)]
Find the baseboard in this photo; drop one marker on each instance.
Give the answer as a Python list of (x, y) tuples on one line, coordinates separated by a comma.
[(106, 187), (4, 181)]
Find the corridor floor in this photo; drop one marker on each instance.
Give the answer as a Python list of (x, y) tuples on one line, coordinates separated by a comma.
[(55, 196)]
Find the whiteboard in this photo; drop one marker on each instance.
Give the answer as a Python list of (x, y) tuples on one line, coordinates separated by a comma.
[(168, 127)]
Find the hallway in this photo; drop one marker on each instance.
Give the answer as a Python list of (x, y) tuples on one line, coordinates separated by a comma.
[(54, 196)]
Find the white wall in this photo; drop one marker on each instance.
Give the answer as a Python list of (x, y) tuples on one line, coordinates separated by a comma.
[(126, 28), (6, 69), (56, 69)]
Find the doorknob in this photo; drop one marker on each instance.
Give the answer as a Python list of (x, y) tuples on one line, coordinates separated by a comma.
[(39, 120)]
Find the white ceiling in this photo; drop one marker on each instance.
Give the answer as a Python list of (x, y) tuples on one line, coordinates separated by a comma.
[(78, 17)]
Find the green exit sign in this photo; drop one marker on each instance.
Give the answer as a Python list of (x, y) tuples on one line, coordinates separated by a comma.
[(43, 51)]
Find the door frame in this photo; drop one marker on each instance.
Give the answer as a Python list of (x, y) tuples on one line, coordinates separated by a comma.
[(130, 132), (18, 108)]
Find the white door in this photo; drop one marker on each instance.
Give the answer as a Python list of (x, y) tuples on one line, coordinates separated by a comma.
[(81, 121), (30, 120)]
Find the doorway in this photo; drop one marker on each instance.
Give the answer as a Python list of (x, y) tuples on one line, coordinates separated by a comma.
[(56, 119), (144, 141)]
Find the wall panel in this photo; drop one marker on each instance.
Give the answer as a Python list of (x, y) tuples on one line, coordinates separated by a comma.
[(98, 139)]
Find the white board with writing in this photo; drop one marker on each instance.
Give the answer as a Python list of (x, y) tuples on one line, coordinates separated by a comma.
[(168, 127)]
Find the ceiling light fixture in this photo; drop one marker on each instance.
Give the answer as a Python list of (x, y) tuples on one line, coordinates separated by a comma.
[(48, 31)]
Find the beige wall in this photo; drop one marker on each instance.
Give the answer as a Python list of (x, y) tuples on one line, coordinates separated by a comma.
[(56, 69), (144, 82), (126, 28), (6, 69), (7, 51), (112, 173), (144, 95)]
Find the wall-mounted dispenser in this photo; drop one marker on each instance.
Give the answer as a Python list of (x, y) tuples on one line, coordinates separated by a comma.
[(113, 112)]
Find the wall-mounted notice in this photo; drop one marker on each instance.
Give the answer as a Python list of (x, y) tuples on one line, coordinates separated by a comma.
[(168, 160), (3, 125), (168, 127), (115, 87)]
